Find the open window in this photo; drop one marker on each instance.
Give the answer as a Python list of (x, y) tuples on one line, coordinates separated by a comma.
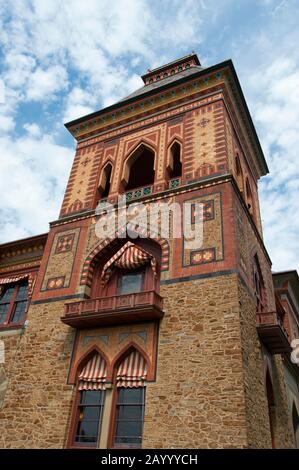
[(105, 181), (174, 168), (139, 168)]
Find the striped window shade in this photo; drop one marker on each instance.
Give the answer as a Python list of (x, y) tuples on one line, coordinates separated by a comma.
[(132, 372), (93, 375), (129, 257)]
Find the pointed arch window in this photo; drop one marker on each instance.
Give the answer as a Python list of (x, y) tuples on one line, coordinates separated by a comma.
[(105, 181), (91, 398), (175, 161), (131, 382), (139, 168)]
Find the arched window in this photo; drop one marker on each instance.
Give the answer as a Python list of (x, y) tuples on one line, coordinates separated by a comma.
[(259, 287), (90, 402), (105, 181), (239, 173), (249, 198), (271, 407), (131, 375), (295, 419), (132, 268), (175, 163), (139, 168)]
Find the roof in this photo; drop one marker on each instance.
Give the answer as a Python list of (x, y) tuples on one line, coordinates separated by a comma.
[(165, 81)]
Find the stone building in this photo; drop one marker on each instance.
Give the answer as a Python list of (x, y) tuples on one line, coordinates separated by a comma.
[(131, 340)]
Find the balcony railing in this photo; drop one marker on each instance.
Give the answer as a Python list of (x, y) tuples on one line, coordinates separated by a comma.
[(272, 332), (118, 309)]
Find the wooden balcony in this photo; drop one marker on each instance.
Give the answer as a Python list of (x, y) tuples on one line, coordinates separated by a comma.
[(272, 332), (129, 308)]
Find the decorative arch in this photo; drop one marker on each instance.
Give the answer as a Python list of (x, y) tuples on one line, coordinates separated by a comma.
[(83, 360), (124, 352), (105, 179), (132, 158), (107, 244), (171, 163)]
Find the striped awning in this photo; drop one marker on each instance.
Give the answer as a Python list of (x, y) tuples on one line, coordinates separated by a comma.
[(17, 278), (93, 375), (129, 257), (132, 371)]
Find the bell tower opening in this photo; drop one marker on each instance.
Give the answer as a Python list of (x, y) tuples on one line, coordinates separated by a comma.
[(139, 170)]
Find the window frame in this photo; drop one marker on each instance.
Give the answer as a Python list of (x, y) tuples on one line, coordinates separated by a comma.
[(122, 272), (9, 323), (78, 405), (114, 421)]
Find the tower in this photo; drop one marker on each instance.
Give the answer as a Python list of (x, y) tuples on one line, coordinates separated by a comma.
[(141, 340)]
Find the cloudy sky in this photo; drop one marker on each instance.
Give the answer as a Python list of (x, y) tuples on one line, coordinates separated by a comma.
[(62, 59)]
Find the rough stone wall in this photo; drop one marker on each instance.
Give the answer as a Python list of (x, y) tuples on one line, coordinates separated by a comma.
[(254, 364), (198, 399), (37, 404)]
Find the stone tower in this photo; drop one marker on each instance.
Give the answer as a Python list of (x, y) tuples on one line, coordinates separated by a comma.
[(140, 341)]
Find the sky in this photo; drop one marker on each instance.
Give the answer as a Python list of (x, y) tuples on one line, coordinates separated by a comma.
[(60, 60)]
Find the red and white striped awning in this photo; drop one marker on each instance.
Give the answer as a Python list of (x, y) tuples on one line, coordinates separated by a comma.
[(129, 257), (93, 375), (132, 372), (17, 278)]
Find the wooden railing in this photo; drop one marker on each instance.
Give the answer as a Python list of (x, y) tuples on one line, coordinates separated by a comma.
[(145, 305)]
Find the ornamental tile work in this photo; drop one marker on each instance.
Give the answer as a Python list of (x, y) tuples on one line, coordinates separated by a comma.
[(113, 341), (212, 249), (61, 259)]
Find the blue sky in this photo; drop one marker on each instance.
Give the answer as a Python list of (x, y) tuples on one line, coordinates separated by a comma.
[(60, 60)]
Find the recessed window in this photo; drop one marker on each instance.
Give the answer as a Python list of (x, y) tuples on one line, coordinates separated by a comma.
[(129, 283), (129, 416), (89, 416), (13, 303)]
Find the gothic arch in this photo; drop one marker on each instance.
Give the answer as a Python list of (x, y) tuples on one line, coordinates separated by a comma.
[(104, 246), (124, 352), (83, 360), (169, 163), (132, 157), (104, 175)]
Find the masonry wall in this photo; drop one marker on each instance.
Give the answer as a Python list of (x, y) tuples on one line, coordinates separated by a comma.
[(198, 399)]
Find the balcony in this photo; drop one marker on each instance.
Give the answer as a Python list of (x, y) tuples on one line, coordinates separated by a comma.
[(128, 308), (272, 332)]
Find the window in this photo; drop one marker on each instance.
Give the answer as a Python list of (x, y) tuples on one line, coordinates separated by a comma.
[(105, 182), (239, 174), (175, 164), (249, 197), (13, 303), (130, 282), (139, 169), (89, 416), (129, 416)]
